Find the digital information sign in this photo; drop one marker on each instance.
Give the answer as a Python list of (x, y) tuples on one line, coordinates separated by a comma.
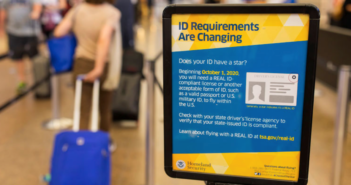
[(239, 83)]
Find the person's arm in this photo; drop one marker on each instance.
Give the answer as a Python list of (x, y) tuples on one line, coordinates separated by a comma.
[(103, 46), (35, 14), (65, 25), (2, 20), (3, 15), (62, 4)]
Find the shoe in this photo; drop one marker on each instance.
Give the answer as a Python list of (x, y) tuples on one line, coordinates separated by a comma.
[(21, 87), (46, 178), (112, 146)]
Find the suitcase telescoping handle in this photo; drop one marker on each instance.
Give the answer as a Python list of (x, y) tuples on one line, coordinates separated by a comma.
[(95, 104)]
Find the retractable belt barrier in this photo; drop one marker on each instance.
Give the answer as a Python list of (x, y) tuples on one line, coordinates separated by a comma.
[(37, 84), (158, 84), (18, 97), (153, 72), (4, 56)]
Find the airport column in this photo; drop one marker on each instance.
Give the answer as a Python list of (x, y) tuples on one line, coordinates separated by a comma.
[(341, 122)]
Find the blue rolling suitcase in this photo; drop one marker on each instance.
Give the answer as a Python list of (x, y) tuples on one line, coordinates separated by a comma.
[(82, 157)]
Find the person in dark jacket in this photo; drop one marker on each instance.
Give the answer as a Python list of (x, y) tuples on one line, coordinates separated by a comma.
[(345, 21), (127, 22)]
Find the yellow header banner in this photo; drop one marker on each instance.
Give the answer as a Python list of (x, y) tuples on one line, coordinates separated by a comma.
[(207, 31)]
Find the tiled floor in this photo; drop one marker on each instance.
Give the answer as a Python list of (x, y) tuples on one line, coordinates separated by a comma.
[(25, 147)]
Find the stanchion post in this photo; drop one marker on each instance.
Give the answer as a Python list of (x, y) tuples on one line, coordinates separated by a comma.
[(150, 129), (341, 122), (56, 123), (55, 98)]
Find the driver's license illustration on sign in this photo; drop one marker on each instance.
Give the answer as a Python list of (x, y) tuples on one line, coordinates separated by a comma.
[(271, 88)]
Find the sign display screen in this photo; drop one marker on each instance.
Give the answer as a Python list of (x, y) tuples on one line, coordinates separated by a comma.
[(238, 83), (238, 92)]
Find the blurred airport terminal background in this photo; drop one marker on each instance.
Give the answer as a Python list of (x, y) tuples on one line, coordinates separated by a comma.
[(26, 136)]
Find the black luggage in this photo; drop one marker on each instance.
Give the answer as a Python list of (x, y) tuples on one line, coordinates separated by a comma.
[(133, 62), (126, 98), (41, 70), (125, 103)]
